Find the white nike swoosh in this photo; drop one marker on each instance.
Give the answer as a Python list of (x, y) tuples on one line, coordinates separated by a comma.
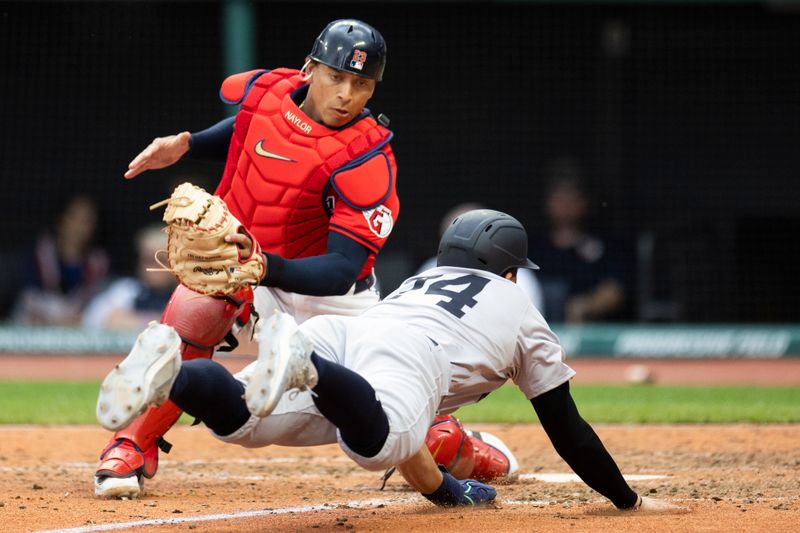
[(266, 153)]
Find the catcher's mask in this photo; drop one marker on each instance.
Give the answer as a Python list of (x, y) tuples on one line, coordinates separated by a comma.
[(485, 239), (352, 46)]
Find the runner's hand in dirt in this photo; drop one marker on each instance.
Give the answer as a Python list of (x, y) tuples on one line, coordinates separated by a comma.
[(653, 506)]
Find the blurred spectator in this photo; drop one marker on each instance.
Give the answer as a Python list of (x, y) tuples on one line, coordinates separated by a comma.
[(526, 279), (582, 275), (130, 303), (66, 268)]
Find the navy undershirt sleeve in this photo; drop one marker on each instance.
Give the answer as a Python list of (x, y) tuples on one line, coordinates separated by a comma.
[(581, 448), (212, 143), (322, 275)]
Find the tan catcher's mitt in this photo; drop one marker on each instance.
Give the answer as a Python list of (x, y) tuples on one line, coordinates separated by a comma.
[(197, 223)]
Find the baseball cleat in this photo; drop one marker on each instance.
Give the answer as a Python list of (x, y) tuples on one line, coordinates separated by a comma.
[(120, 488), (283, 363), (123, 466), (144, 377)]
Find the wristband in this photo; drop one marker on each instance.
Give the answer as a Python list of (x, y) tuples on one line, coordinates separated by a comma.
[(274, 269)]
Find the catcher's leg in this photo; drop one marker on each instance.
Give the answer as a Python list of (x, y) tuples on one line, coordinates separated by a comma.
[(468, 454), (132, 453)]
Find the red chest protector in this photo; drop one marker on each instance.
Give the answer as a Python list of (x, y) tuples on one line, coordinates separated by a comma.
[(280, 162)]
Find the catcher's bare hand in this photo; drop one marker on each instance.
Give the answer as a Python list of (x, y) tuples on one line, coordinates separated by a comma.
[(243, 242), (162, 152)]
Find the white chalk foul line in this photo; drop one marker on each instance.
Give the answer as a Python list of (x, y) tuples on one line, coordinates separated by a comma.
[(359, 504), (569, 477)]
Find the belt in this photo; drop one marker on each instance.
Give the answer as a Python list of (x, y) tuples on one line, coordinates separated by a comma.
[(365, 283)]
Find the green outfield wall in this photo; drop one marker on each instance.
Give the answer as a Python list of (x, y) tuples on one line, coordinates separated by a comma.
[(723, 340), (624, 341)]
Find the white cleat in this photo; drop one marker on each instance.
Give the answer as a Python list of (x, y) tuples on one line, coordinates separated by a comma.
[(117, 488), (284, 363), (144, 377)]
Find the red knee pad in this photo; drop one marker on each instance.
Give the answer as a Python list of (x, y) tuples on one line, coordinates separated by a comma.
[(203, 321), (450, 446)]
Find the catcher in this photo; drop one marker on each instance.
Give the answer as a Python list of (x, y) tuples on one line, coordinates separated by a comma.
[(310, 178)]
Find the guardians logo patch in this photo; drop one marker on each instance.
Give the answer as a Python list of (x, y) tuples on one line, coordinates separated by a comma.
[(380, 221)]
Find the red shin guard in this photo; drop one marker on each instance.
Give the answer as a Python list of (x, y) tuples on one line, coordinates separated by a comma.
[(202, 322), (139, 450)]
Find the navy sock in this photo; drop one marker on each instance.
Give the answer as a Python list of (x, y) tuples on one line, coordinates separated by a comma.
[(348, 401), (207, 391)]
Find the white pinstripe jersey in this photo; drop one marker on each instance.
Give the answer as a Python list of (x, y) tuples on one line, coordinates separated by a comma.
[(487, 327)]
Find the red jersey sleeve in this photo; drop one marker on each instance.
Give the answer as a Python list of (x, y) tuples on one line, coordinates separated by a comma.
[(365, 202)]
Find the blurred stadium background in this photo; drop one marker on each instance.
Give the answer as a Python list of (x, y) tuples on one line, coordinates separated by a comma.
[(685, 117)]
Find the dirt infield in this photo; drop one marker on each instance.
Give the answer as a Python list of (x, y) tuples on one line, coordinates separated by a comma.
[(731, 478)]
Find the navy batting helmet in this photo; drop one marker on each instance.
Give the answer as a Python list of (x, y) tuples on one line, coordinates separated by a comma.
[(485, 239), (352, 46)]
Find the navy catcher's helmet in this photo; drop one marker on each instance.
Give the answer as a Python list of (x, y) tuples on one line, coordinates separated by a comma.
[(352, 46), (485, 239)]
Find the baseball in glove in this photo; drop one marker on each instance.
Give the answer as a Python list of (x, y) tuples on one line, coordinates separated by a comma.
[(197, 253)]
